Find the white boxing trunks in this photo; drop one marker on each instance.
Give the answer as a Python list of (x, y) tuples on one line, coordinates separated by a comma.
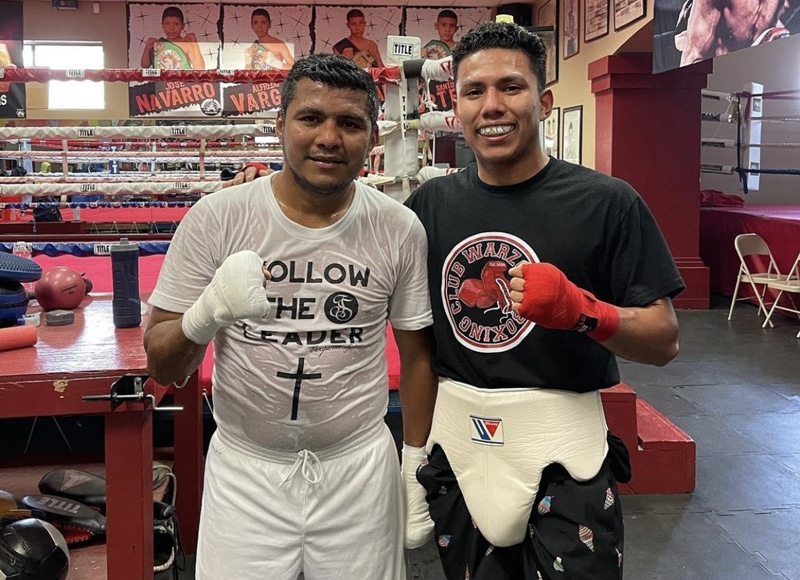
[(498, 441)]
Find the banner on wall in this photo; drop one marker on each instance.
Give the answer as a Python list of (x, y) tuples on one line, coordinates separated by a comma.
[(12, 95), (690, 31), (170, 37), (439, 30), (261, 38)]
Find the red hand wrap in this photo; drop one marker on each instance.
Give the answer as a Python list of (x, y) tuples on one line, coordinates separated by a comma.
[(551, 300), (259, 167)]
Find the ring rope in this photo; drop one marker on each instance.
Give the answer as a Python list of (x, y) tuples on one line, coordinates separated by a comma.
[(220, 131), (43, 75)]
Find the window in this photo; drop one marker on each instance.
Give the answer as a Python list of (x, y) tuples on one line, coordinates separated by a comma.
[(69, 94)]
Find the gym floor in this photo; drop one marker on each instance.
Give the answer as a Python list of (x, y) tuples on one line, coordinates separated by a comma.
[(735, 389)]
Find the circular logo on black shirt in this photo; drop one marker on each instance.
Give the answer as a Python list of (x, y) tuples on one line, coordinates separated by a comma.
[(341, 307), (475, 291)]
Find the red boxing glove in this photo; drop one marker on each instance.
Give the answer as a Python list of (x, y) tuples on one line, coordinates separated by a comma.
[(551, 300), (258, 166)]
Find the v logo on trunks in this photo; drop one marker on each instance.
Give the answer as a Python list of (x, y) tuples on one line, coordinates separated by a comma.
[(498, 442)]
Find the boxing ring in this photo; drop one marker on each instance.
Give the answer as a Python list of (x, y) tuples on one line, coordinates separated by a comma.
[(723, 217)]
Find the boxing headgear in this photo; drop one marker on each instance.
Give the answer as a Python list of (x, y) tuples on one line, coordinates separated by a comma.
[(32, 549)]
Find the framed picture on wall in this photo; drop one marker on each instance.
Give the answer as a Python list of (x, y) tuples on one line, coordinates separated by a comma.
[(595, 19), (546, 28), (572, 134), (551, 133), (627, 12), (571, 24)]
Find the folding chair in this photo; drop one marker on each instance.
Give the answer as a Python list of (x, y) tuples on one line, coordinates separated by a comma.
[(791, 285), (754, 271)]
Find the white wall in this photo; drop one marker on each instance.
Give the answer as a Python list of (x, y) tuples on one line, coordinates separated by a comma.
[(776, 65)]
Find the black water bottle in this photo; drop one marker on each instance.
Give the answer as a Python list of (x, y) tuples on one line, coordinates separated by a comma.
[(126, 304)]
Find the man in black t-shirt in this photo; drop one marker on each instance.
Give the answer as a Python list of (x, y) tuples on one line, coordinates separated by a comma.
[(540, 272)]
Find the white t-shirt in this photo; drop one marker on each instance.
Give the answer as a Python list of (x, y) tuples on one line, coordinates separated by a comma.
[(313, 373)]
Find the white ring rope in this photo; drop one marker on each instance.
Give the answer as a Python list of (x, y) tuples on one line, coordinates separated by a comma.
[(110, 178), (42, 189), (228, 131), (256, 154)]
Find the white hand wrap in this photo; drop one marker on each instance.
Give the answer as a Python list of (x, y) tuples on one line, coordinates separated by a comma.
[(237, 292), (419, 526)]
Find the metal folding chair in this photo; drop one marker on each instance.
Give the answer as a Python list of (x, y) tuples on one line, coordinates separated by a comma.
[(757, 267), (790, 285)]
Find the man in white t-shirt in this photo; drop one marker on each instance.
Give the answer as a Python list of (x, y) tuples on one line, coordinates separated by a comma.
[(294, 278)]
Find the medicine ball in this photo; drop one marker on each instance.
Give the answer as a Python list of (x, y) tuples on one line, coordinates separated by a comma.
[(61, 288), (32, 549)]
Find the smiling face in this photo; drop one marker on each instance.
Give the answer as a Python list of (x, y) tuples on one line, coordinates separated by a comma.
[(326, 134), (499, 108), (172, 27)]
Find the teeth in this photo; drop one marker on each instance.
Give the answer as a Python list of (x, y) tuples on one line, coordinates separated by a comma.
[(495, 130)]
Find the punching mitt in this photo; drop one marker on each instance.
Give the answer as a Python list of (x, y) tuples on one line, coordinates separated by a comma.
[(76, 521), (90, 489), (31, 549)]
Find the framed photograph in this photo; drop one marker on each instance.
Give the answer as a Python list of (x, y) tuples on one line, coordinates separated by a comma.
[(572, 134), (546, 28), (549, 132), (595, 19), (571, 27), (628, 11)]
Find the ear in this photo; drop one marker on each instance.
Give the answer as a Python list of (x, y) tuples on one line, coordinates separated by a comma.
[(545, 104), (279, 128)]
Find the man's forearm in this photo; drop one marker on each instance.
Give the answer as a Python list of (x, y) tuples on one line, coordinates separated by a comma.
[(170, 355), (418, 387)]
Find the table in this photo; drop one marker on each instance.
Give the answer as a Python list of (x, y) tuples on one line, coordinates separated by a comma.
[(85, 358)]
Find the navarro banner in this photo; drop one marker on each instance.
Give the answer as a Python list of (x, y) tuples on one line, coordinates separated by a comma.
[(12, 95), (690, 31), (256, 38), (169, 37)]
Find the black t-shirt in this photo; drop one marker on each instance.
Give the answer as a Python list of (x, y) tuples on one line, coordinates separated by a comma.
[(594, 228)]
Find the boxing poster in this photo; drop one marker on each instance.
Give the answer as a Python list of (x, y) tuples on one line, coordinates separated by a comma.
[(261, 38), (170, 37), (12, 95), (690, 31), (440, 29)]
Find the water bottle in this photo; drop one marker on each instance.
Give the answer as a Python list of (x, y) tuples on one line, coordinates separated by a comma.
[(126, 304)]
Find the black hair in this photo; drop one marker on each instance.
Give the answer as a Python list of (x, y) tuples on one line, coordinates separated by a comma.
[(503, 35), (261, 12), (447, 14), (354, 13), (333, 71), (172, 11)]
